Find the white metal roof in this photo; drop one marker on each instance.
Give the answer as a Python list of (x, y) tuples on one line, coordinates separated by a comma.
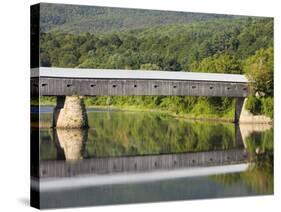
[(135, 74)]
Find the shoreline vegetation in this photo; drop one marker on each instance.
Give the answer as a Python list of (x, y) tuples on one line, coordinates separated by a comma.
[(224, 116)]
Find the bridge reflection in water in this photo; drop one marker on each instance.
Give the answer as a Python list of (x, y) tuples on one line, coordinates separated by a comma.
[(70, 142), (70, 146), (138, 163), (167, 159)]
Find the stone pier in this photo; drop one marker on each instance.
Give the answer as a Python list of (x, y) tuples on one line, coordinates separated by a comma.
[(239, 105), (242, 115), (70, 113)]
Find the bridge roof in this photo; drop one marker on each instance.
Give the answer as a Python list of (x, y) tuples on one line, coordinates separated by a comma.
[(135, 74)]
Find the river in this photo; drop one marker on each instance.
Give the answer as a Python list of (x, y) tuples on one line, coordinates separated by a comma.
[(128, 157)]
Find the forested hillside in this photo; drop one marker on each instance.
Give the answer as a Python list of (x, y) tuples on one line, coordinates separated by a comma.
[(188, 47), (225, 45), (80, 19)]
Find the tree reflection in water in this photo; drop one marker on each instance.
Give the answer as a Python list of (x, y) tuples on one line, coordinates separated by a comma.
[(259, 176), (127, 134)]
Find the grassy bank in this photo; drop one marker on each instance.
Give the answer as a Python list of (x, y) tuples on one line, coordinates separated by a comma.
[(173, 106), (203, 117), (186, 107), (46, 100)]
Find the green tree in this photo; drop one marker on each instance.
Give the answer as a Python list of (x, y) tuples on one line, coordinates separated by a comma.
[(218, 64), (149, 66), (259, 69), (45, 59), (68, 60)]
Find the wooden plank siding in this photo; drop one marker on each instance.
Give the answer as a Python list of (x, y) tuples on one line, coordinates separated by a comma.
[(51, 86)]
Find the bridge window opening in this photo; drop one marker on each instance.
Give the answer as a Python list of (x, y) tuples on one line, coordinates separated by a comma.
[(228, 88), (68, 85), (114, 86), (93, 85), (211, 87), (175, 162), (44, 84), (135, 166), (228, 158), (135, 86), (156, 86), (174, 86), (193, 86), (244, 89), (155, 164), (211, 159), (44, 172), (193, 161)]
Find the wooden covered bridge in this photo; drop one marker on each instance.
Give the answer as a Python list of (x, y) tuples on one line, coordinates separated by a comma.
[(62, 82)]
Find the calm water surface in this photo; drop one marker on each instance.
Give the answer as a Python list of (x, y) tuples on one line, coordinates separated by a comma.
[(117, 134)]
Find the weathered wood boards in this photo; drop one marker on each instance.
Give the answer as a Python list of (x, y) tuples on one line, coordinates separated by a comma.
[(93, 82)]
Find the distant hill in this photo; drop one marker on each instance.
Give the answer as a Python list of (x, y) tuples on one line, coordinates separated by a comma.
[(81, 19)]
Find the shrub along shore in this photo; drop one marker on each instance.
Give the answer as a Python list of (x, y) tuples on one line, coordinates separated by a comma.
[(173, 106)]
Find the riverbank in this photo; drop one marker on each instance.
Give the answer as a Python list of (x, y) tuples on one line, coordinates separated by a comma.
[(203, 117), (225, 116)]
